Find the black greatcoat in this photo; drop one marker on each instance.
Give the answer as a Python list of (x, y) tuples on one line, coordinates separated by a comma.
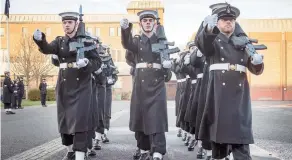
[(7, 90), (20, 89), (174, 68), (199, 65), (148, 111), (228, 114), (93, 121), (185, 93), (181, 90), (192, 71), (74, 86), (203, 87)]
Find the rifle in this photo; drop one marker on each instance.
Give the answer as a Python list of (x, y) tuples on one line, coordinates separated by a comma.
[(251, 49), (109, 68), (247, 44), (81, 38), (161, 47)]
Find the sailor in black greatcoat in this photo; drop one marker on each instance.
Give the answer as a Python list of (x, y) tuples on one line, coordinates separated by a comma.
[(43, 92), (205, 145), (20, 93), (7, 93), (74, 85), (148, 112), (111, 74), (192, 66), (228, 122)]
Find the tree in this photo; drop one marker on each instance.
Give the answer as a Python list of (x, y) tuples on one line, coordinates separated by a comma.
[(29, 62)]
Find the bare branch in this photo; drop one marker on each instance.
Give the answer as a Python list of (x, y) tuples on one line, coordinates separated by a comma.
[(29, 62)]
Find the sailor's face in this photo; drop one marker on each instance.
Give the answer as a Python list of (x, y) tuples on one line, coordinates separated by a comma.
[(226, 24), (69, 26), (147, 24)]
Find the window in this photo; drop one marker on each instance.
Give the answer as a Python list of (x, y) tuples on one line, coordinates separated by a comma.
[(112, 31), (2, 32), (119, 31), (24, 30), (89, 29), (97, 31), (48, 31)]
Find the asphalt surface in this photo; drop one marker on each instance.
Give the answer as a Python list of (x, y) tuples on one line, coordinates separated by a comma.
[(35, 126)]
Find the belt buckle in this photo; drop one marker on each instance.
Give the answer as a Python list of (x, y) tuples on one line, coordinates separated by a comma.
[(149, 65), (232, 67), (70, 65)]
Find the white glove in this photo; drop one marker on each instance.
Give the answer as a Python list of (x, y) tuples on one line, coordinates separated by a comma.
[(124, 23), (15, 91), (97, 72), (110, 80), (199, 53), (37, 35), (187, 59), (82, 62), (167, 64), (55, 57), (257, 59), (177, 59), (211, 22)]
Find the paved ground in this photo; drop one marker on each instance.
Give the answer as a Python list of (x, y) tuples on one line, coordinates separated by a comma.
[(32, 134)]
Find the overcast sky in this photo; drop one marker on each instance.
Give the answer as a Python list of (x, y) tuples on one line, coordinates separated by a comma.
[(182, 17)]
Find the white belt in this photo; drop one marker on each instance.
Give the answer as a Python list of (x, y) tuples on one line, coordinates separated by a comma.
[(194, 81), (68, 65), (182, 80), (228, 66), (200, 75), (148, 65)]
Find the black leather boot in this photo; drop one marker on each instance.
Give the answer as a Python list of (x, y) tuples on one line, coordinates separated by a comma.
[(192, 145), (97, 145), (201, 153), (137, 154)]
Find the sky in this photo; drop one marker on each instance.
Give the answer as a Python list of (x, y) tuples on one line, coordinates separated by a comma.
[(182, 17)]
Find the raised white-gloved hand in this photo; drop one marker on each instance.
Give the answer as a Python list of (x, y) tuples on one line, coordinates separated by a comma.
[(187, 59), (37, 35), (110, 80), (82, 62), (257, 59), (211, 22), (55, 57), (124, 23), (199, 53), (166, 64)]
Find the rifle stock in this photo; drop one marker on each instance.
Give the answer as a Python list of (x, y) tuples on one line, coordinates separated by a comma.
[(162, 47)]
